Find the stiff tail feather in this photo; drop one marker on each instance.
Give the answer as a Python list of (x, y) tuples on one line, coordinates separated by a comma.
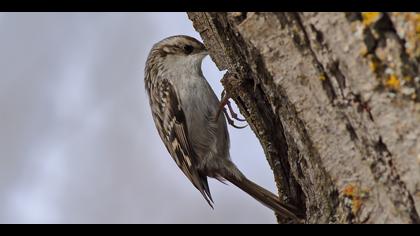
[(264, 196)]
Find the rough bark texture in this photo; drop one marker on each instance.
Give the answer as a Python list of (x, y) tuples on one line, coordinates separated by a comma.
[(334, 99)]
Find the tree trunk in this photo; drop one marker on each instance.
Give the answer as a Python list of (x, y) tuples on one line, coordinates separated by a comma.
[(334, 99)]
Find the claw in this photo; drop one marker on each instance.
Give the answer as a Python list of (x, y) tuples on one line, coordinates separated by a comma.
[(233, 114), (231, 122), (223, 103)]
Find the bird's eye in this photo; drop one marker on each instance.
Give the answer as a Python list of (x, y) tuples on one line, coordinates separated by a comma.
[(188, 49)]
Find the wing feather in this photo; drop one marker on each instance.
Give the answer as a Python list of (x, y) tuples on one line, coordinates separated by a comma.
[(171, 123)]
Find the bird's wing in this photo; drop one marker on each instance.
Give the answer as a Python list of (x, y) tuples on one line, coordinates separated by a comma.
[(171, 123)]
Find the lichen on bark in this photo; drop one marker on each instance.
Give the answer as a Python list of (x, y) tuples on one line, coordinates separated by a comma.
[(333, 99)]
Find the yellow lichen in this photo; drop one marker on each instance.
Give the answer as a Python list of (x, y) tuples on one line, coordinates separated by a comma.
[(370, 17), (322, 77), (416, 20), (393, 82), (373, 65), (418, 28)]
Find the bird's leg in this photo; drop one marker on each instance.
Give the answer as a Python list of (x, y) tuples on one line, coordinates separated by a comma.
[(223, 103), (225, 100)]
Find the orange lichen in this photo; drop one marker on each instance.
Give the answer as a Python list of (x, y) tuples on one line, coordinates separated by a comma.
[(393, 82), (353, 193), (349, 190), (370, 17)]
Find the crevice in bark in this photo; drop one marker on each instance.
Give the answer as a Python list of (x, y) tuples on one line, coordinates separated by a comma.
[(335, 70), (384, 25), (353, 16), (351, 130), (385, 173), (306, 45), (281, 163), (362, 106)]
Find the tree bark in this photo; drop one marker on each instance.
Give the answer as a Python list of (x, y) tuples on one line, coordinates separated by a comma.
[(334, 99)]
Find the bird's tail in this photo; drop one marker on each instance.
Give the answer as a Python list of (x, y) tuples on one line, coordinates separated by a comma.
[(264, 196)]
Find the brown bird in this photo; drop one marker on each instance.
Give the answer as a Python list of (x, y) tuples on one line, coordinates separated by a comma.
[(185, 111)]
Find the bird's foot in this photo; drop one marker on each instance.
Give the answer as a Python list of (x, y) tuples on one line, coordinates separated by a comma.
[(233, 116)]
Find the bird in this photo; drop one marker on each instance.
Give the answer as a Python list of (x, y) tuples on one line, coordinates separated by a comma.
[(185, 110)]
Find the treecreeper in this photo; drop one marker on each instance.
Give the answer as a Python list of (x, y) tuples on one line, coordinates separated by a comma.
[(186, 112)]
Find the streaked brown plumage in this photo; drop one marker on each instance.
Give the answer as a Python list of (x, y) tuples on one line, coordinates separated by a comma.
[(184, 109)]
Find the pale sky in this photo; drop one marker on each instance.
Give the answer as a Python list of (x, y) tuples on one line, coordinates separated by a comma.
[(77, 141)]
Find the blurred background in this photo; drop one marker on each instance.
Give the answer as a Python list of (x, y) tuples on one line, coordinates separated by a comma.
[(77, 140)]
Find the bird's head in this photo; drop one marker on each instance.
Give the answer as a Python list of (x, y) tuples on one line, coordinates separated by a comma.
[(177, 52)]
